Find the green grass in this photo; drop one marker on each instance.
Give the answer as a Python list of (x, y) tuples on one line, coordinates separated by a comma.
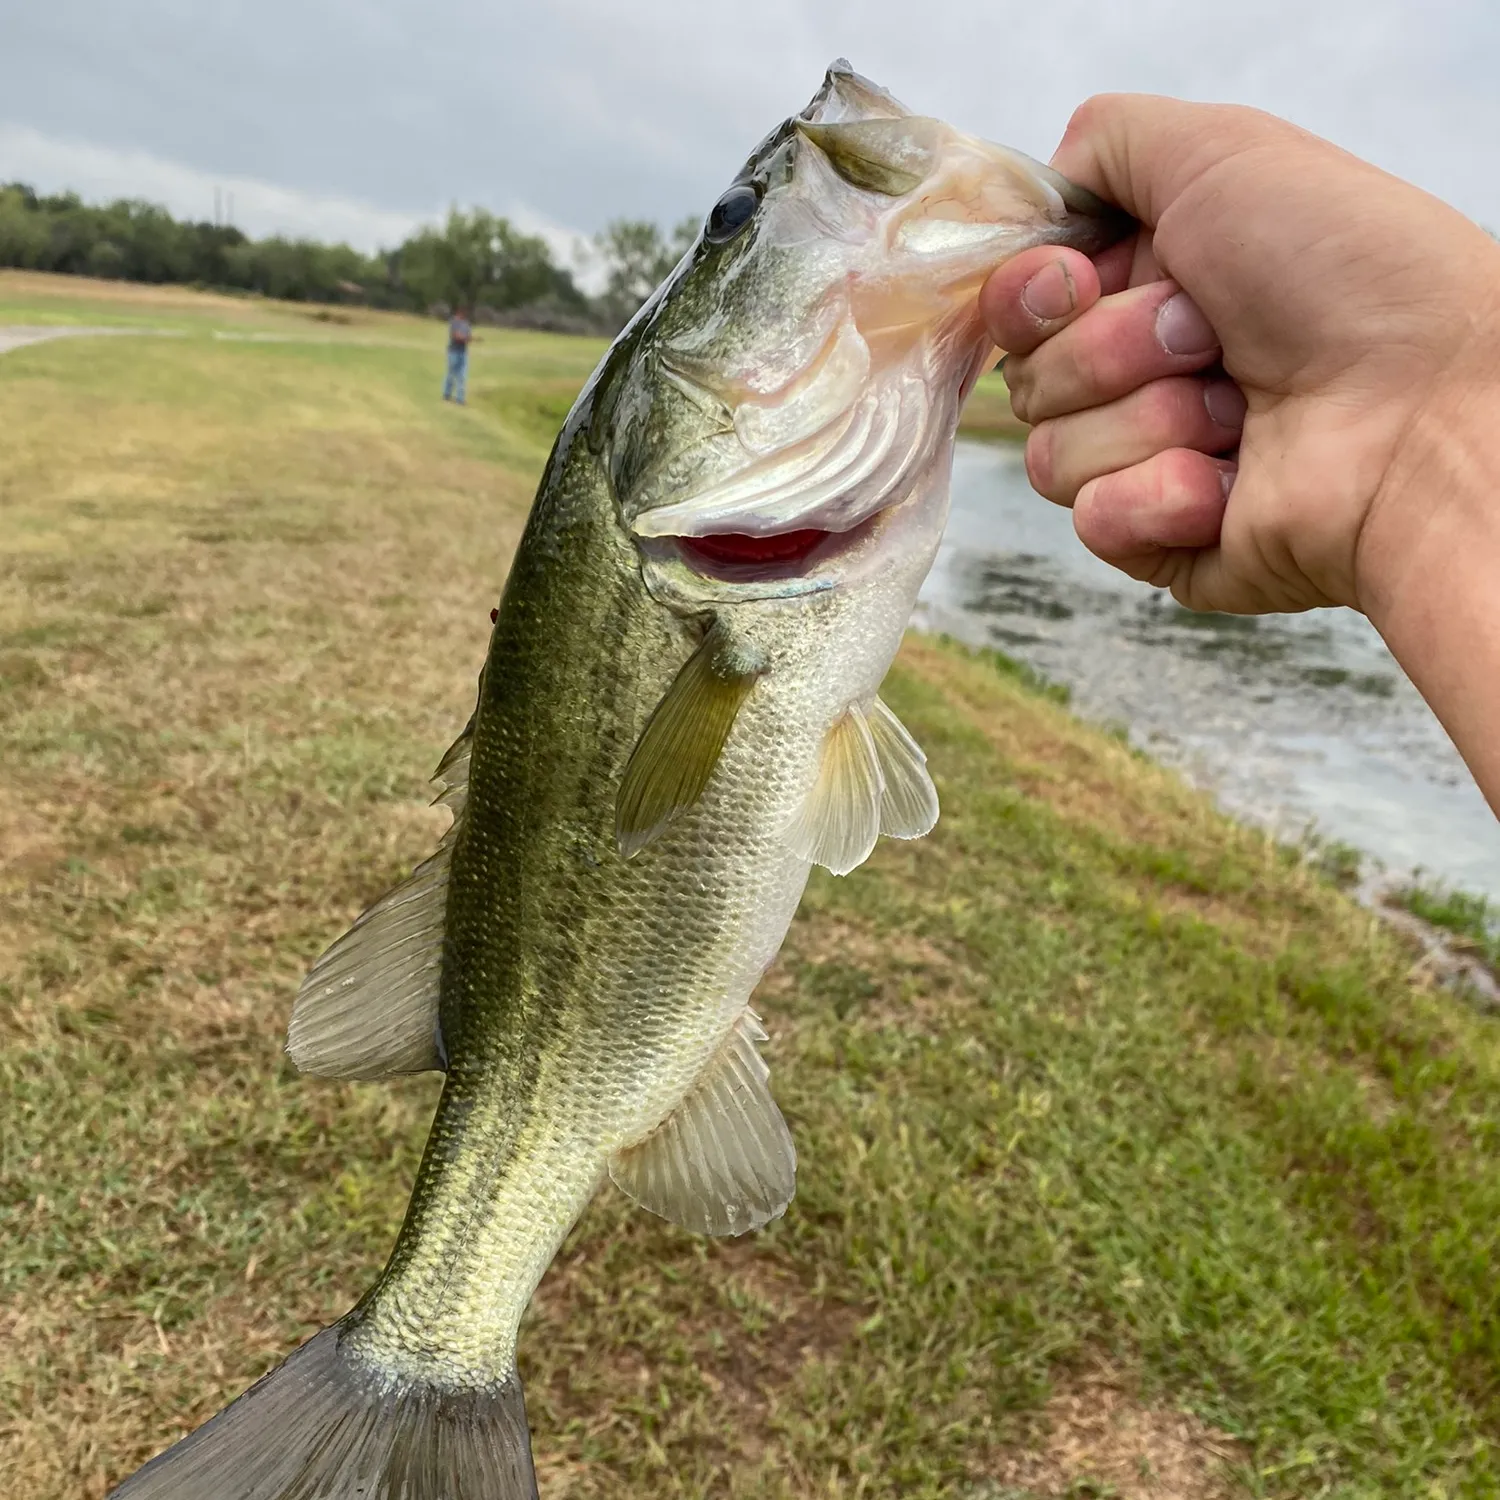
[(1019, 671), (1338, 861), (1128, 1145), (1467, 916), (987, 412)]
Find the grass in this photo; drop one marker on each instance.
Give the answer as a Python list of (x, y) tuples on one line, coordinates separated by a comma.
[(987, 412), (1134, 1160), (1019, 671), (1469, 917)]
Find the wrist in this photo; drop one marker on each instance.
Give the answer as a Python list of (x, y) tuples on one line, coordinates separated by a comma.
[(1428, 561), (1439, 490)]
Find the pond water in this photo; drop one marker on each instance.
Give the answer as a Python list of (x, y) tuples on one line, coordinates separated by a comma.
[(1299, 723)]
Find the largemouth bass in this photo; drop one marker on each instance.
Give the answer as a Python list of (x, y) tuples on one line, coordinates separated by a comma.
[(677, 718)]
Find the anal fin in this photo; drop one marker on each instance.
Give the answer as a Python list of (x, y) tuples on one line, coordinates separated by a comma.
[(723, 1162)]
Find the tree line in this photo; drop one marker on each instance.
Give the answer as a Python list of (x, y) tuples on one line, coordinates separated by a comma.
[(475, 258)]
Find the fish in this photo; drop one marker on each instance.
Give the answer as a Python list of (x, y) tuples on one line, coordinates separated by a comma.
[(678, 716)]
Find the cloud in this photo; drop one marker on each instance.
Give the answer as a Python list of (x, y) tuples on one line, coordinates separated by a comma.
[(99, 173), (372, 113)]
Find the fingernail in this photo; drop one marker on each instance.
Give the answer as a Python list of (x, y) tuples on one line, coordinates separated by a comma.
[(1226, 479), (1181, 329), (1226, 403), (1050, 294)]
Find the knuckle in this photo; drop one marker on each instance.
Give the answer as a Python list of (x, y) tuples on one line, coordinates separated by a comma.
[(1079, 368), (1089, 116), (1018, 385), (1173, 410), (1101, 361), (1180, 473), (1039, 460), (1173, 571)]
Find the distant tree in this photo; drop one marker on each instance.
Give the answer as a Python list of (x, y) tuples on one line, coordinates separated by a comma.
[(137, 241), (24, 233), (478, 257), (475, 257), (638, 257)]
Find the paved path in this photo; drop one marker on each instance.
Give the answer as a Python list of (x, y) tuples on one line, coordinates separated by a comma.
[(17, 336)]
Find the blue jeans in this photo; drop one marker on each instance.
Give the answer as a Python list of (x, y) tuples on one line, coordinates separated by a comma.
[(458, 374)]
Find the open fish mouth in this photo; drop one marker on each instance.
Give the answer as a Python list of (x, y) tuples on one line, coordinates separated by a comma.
[(740, 550), (742, 557)]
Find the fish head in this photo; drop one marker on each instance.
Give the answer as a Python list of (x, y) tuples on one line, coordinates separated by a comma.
[(793, 388)]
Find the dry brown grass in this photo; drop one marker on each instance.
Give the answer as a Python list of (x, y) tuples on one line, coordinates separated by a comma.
[(1097, 1439), (205, 609), (39, 297), (68, 291)]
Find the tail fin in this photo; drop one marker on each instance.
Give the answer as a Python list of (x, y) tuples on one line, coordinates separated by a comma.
[(327, 1426)]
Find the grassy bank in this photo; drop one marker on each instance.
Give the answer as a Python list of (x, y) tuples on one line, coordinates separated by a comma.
[(987, 412), (1133, 1162)]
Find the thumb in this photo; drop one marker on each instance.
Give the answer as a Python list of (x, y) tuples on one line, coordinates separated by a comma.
[(1143, 151)]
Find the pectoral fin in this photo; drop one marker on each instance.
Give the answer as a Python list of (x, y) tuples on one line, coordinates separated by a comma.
[(909, 802), (840, 820), (723, 1162), (872, 779), (682, 741)]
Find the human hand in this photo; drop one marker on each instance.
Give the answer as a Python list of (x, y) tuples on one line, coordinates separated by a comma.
[(1260, 402)]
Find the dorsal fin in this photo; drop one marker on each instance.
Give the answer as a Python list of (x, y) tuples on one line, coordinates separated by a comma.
[(452, 774), (723, 1161), (909, 802), (684, 737), (369, 1006)]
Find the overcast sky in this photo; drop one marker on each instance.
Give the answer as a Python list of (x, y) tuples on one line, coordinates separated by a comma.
[(358, 118)]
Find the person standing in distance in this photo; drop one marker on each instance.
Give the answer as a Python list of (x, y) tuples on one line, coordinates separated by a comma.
[(460, 332)]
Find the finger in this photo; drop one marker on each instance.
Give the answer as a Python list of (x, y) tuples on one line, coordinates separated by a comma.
[(1143, 263), (1139, 335), (1029, 298), (1114, 265), (1066, 453), (1142, 151), (1143, 519)]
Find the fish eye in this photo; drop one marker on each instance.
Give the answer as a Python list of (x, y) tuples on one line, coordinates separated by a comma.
[(731, 213)]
